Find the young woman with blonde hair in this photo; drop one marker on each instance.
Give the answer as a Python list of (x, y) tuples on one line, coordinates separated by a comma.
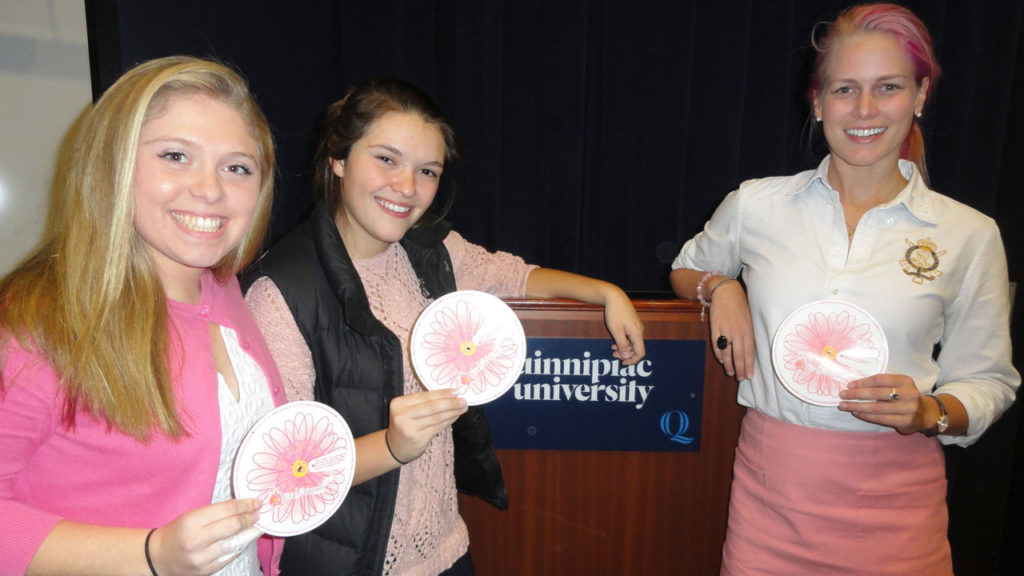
[(130, 366)]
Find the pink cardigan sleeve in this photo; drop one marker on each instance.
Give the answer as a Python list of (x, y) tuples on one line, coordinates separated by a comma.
[(287, 346), (29, 407)]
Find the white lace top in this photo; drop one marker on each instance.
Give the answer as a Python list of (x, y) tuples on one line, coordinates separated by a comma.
[(236, 417)]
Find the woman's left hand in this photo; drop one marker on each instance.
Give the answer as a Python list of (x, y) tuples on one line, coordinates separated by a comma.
[(620, 316), (891, 400), (625, 327)]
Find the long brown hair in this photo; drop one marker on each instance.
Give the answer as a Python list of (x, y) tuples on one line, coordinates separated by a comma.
[(349, 119), (89, 300)]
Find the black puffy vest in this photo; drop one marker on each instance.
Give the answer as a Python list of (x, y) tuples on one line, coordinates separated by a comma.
[(358, 364)]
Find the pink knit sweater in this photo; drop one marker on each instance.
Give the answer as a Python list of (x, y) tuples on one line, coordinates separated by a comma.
[(427, 534), (94, 475)]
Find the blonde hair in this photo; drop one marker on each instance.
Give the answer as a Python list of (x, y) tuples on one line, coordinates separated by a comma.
[(89, 299)]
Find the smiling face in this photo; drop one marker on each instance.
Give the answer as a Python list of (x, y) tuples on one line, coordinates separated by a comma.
[(197, 183), (868, 100), (388, 181)]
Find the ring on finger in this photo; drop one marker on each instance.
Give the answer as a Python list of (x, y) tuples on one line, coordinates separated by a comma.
[(722, 343), (894, 395)]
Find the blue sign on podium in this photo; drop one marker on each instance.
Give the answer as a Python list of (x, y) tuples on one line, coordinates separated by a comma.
[(573, 395)]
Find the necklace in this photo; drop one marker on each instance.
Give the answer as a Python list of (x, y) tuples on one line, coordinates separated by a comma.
[(899, 186)]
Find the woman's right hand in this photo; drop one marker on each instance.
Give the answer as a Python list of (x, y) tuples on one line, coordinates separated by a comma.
[(416, 418), (204, 540), (729, 316)]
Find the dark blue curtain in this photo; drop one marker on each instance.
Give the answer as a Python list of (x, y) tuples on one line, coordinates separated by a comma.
[(597, 135)]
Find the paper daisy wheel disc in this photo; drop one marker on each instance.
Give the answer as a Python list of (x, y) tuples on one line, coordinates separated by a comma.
[(299, 460), (823, 346), (470, 341)]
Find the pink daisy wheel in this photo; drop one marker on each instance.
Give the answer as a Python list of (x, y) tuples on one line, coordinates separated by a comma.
[(298, 459), (823, 346), (470, 341)]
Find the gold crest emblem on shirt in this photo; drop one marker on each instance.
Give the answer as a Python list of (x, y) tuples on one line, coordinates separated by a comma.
[(921, 261)]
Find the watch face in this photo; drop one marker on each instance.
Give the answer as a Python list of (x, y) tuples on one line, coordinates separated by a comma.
[(943, 423)]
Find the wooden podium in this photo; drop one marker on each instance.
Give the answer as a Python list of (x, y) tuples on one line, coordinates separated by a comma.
[(593, 513)]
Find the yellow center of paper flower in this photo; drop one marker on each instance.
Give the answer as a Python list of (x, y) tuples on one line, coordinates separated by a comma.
[(300, 468), (829, 352), (468, 347)]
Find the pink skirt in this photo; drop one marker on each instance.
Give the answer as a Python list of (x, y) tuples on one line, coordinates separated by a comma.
[(812, 501)]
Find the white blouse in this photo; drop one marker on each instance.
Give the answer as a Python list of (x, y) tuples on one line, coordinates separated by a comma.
[(236, 418), (787, 235)]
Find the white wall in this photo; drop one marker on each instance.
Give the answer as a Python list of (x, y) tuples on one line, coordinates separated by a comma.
[(44, 83)]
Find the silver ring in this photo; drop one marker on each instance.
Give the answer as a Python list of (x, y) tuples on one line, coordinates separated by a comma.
[(894, 395)]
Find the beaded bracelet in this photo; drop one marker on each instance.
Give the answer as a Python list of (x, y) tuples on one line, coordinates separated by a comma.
[(700, 287), (705, 304)]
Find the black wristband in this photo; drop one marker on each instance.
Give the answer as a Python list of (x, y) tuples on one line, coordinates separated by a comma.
[(149, 560), (390, 451)]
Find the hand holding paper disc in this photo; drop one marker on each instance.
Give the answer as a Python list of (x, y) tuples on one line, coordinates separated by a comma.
[(823, 346), (299, 460)]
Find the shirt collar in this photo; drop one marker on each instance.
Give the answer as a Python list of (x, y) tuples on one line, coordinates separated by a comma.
[(915, 197)]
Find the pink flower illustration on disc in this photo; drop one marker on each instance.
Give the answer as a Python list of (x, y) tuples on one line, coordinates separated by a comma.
[(824, 346), (470, 341), (298, 460)]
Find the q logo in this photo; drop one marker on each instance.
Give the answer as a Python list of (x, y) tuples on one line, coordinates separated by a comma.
[(674, 424)]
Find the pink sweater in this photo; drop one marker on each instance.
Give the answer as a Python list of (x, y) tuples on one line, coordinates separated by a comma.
[(94, 475)]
